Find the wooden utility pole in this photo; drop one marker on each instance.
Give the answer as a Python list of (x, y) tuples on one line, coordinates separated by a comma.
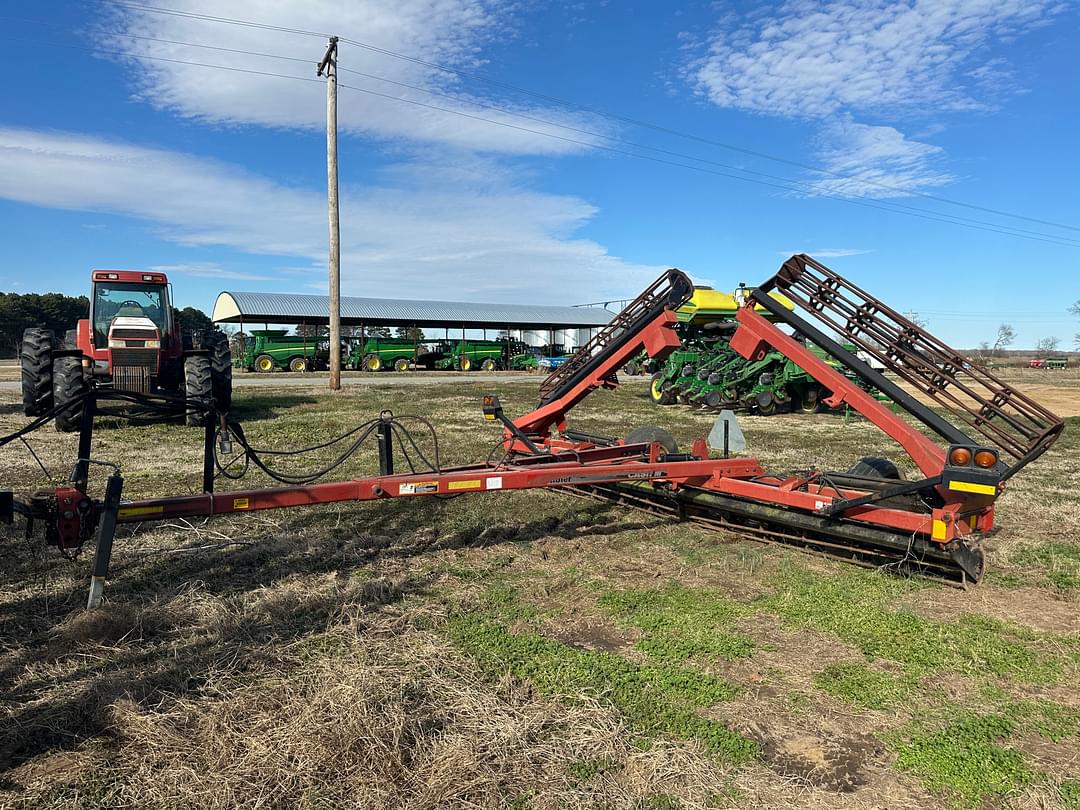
[(328, 66)]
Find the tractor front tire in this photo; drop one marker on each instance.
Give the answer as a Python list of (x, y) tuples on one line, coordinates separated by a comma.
[(68, 384), (35, 360), (198, 386), (264, 364), (401, 364), (487, 365), (217, 343)]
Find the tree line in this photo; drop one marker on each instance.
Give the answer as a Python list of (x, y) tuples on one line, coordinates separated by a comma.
[(59, 312)]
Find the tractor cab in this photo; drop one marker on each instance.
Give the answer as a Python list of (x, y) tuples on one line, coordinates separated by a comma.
[(132, 334)]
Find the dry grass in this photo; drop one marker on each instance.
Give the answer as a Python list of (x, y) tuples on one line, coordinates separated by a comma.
[(307, 658)]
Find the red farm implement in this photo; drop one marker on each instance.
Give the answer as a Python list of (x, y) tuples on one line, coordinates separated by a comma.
[(978, 433)]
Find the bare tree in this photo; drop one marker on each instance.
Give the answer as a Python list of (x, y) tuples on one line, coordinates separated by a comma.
[(1046, 346), (1075, 310), (1005, 337)]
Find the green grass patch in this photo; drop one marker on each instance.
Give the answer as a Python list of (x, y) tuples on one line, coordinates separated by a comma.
[(659, 699), (585, 769), (861, 685), (856, 607), (1060, 562), (1070, 795), (969, 759), (680, 623)]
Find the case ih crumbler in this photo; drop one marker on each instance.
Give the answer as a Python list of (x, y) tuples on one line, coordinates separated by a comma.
[(985, 432)]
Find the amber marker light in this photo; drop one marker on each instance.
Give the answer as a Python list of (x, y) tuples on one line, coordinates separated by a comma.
[(985, 459), (960, 457)]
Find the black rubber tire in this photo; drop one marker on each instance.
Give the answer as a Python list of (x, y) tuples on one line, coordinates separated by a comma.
[(373, 363), (198, 384), (810, 400), (264, 364), (766, 403), (657, 392), (298, 364), (487, 365), (465, 364), (36, 365), (71, 339), (714, 400), (217, 343), (653, 433), (876, 467), (68, 383), (401, 364)]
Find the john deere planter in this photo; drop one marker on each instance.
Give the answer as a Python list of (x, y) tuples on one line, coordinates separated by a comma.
[(706, 372)]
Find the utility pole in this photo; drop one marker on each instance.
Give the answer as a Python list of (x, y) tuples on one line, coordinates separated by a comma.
[(328, 66)]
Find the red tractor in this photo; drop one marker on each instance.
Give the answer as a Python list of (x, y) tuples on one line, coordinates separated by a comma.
[(132, 341)]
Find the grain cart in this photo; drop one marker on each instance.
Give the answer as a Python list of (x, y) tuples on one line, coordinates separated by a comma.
[(132, 341), (268, 349)]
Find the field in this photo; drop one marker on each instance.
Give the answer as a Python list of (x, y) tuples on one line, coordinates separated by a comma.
[(529, 650)]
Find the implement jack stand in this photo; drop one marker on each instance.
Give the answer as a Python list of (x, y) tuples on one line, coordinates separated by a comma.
[(105, 533)]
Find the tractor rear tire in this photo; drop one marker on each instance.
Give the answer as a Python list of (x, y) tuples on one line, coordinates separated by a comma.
[(876, 467), (264, 364), (198, 385), (35, 360), (659, 394), (487, 365), (401, 364), (217, 343), (653, 433), (68, 384), (373, 363), (298, 364)]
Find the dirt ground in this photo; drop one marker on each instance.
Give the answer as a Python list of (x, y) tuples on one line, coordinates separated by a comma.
[(526, 649)]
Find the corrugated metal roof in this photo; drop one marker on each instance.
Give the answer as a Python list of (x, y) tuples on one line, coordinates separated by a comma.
[(232, 307)]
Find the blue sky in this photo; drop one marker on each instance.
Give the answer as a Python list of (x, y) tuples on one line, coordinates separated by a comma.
[(109, 158)]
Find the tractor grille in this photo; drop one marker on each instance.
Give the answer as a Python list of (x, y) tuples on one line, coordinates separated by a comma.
[(137, 358), (134, 334), (132, 369), (132, 378)]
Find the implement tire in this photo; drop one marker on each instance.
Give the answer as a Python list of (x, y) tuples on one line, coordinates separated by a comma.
[(876, 467), (657, 392), (401, 364), (217, 343), (653, 433), (373, 363), (298, 364), (198, 385), (68, 384), (487, 365), (264, 364), (35, 361)]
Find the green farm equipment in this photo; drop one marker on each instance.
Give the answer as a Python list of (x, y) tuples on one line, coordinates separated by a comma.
[(707, 372), (486, 355), (382, 353), (266, 350)]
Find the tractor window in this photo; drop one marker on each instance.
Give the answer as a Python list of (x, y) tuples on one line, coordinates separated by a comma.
[(126, 299)]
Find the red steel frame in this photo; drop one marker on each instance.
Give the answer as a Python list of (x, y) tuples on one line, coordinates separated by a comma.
[(570, 463)]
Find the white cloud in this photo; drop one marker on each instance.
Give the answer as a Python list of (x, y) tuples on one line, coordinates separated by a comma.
[(813, 59), (447, 32), (877, 161), (208, 270), (825, 253), (435, 232)]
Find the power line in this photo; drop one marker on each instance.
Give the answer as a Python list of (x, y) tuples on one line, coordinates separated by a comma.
[(784, 184), (592, 110)]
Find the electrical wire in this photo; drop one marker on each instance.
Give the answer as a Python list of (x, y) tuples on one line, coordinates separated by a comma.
[(588, 109), (783, 183)]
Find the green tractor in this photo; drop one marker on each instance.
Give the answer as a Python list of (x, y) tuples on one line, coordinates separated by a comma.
[(267, 350), (706, 372)]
